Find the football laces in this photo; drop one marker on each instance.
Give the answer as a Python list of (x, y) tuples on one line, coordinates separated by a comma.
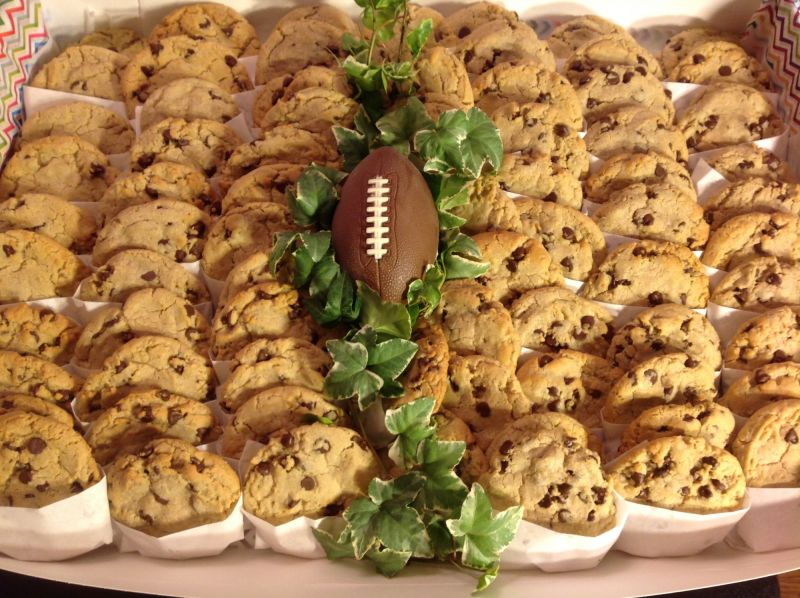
[(377, 217)]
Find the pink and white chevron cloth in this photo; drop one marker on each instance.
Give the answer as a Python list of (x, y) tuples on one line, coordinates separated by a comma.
[(22, 34)]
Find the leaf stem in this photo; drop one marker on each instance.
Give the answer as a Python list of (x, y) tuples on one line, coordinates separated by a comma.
[(374, 36)]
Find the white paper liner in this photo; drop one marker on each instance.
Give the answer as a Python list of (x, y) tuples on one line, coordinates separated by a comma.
[(37, 99), (294, 537), (62, 530), (707, 181), (772, 523), (726, 320), (205, 540), (535, 546), (731, 375), (573, 285), (214, 286), (249, 64), (655, 532), (223, 368), (245, 101)]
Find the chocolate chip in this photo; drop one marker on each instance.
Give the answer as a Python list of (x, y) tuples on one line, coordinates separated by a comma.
[(174, 415), (120, 367), (655, 298), (76, 487), (724, 70), (545, 502), (35, 445), (568, 233), (561, 130), (791, 436), (145, 414), (704, 491), (506, 447), (483, 409), (146, 160), (773, 279), (308, 483), (25, 476), (97, 170), (648, 219), (780, 356), (637, 478), (148, 71), (9, 250), (698, 58)]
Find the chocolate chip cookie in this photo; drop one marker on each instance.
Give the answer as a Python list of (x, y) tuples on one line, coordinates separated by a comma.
[(465, 20), (38, 266), (314, 109), (264, 184), (104, 128), (771, 337), (626, 169), (426, 375), (672, 378), (169, 486), (758, 285), (664, 329), (285, 86), (488, 208), (649, 273), (51, 216), (66, 166), (534, 175), (682, 474), (752, 195), (252, 270), (681, 44), (610, 49), (134, 269), (309, 471), (495, 42), (554, 318), (31, 330), (42, 461), (125, 41), (720, 62), (573, 240), (188, 99), (84, 70), (35, 406), (146, 415), (748, 236), (745, 161), (762, 386), (451, 428), (573, 33), (25, 374), (441, 74), (278, 408)]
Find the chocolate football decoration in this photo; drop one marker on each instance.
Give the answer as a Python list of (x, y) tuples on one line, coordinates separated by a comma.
[(386, 229)]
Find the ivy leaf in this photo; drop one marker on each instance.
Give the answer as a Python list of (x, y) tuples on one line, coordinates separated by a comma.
[(442, 541), (333, 296), (460, 256), (389, 562), (418, 37), (399, 127), (386, 317), (366, 76), (488, 577), (449, 192), (352, 145), (355, 46), (440, 146), (299, 252), (313, 200), (349, 376), (424, 293), (364, 125), (390, 358), (398, 525), (411, 423), (335, 548), (360, 528), (443, 491), (481, 145), (481, 536)]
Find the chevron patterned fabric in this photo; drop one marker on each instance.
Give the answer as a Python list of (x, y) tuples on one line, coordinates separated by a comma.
[(773, 36), (22, 34)]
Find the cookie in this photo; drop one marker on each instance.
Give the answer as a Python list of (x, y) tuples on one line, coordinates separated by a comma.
[(659, 211), (145, 363), (663, 329), (465, 20), (609, 88), (441, 74), (573, 33), (494, 42), (266, 363), (209, 21), (674, 378), (758, 285), (559, 483), (726, 114), (762, 386), (253, 269), (241, 231), (104, 128), (485, 394), (626, 169), (534, 175), (38, 266), (745, 237), (296, 44), (680, 473), (49, 215), (134, 269), (636, 130), (475, 324), (314, 109), (202, 144), (568, 382), (285, 144), (745, 161), (767, 446), (309, 471), (188, 99), (649, 273), (175, 229), (145, 312), (180, 57), (720, 62), (488, 208), (554, 318), (264, 184), (84, 70), (42, 461), (66, 166), (572, 239), (278, 408), (25, 374), (266, 310), (450, 428), (517, 263), (681, 44), (771, 337), (28, 404), (162, 180), (524, 82), (531, 124), (712, 422), (426, 375), (285, 86), (144, 416), (125, 41), (37, 331), (752, 195), (170, 486), (610, 49)]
